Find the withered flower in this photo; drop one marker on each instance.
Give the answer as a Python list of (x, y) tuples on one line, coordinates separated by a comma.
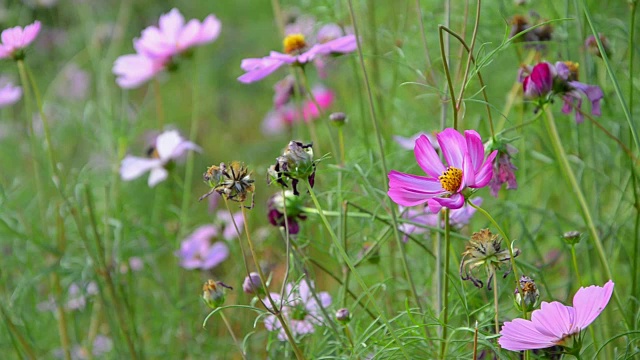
[(213, 293), (233, 182), (485, 250), (295, 164)]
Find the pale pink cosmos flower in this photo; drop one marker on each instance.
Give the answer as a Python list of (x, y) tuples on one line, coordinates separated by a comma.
[(444, 186), (554, 323), (294, 44), (285, 116), (168, 146), (9, 94), (158, 46), (198, 252), (299, 308), (15, 39)]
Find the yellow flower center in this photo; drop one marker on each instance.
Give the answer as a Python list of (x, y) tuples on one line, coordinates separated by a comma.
[(451, 179), (293, 43), (573, 69)]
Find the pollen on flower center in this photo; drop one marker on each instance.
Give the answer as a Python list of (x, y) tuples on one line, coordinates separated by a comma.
[(451, 179), (293, 43), (573, 69)]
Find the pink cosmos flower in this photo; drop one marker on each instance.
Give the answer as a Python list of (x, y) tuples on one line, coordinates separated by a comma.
[(15, 39), (300, 309), (544, 80), (444, 186), (554, 323), (168, 146), (158, 47), (9, 94), (284, 116), (258, 68), (197, 251)]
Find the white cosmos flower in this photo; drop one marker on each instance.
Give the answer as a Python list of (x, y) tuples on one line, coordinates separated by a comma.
[(168, 146)]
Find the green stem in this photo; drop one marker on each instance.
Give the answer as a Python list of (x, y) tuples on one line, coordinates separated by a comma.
[(445, 282), (312, 97), (356, 275), (495, 302), (447, 73), (423, 36), (574, 258), (582, 202), (274, 309), (392, 206), (233, 335), (12, 327), (159, 108)]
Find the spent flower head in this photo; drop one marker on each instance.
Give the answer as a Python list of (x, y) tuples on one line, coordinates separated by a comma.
[(16, 39), (213, 293), (556, 324), (526, 298), (295, 164), (233, 182), (572, 237), (445, 186), (485, 250)]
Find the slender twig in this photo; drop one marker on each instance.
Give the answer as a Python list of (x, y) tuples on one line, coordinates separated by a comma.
[(445, 282), (233, 335), (158, 99), (12, 327), (445, 64)]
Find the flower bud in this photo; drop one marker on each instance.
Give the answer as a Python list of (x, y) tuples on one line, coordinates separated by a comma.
[(213, 293), (295, 164), (338, 118), (572, 237), (527, 298), (252, 284), (343, 316)]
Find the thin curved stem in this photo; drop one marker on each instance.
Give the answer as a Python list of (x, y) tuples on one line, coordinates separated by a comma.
[(233, 335), (445, 282), (447, 73)]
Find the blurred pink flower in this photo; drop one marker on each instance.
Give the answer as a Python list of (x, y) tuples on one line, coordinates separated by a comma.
[(299, 308), (198, 252), (158, 46), (258, 68), (422, 216), (168, 146), (504, 170), (280, 118), (444, 186), (9, 94), (15, 39), (554, 323), (73, 83), (408, 143)]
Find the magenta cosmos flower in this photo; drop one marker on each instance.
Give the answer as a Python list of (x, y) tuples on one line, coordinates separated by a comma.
[(300, 309), (554, 323), (158, 47), (15, 39), (444, 185), (198, 252), (544, 80), (9, 94), (168, 146), (294, 54)]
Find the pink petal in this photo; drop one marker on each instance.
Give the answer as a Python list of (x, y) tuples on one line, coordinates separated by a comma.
[(455, 201), (134, 70), (133, 167), (411, 190), (170, 24), (475, 148), (30, 33), (216, 254), (167, 143), (589, 303), (485, 174), (258, 70), (521, 334), (209, 30), (468, 173), (188, 35), (554, 319), (453, 146), (427, 157), (158, 174)]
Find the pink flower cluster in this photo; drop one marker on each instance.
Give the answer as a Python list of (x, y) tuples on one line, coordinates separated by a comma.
[(158, 47)]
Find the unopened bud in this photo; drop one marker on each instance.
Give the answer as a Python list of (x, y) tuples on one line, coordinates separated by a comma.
[(213, 293), (343, 315), (252, 284), (572, 237), (338, 118)]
